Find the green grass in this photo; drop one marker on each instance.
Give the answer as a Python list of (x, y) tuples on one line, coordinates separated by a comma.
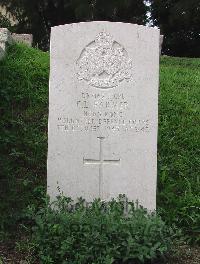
[(23, 130), (23, 136), (179, 143)]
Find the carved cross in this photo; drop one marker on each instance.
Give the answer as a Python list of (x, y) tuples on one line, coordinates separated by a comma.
[(100, 162)]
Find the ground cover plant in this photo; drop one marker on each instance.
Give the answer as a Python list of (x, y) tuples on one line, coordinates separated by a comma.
[(114, 232), (23, 138)]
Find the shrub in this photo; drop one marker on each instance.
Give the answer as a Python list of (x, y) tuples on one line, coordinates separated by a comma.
[(100, 232)]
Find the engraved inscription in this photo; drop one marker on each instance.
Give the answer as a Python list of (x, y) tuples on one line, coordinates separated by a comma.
[(104, 63), (100, 112), (101, 161), (114, 125)]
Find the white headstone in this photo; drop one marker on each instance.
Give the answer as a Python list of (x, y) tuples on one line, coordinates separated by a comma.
[(103, 111)]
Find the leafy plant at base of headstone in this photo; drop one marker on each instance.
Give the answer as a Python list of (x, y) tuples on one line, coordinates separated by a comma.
[(99, 232)]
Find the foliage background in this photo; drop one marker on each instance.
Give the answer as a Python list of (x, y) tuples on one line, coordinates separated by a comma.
[(179, 21), (38, 16)]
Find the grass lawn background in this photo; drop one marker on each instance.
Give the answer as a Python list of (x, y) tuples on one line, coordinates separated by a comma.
[(23, 135)]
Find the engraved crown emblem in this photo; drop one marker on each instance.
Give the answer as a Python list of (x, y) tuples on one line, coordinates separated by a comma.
[(104, 63), (104, 40)]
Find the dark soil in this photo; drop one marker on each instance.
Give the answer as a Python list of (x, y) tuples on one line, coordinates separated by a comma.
[(186, 255), (10, 255)]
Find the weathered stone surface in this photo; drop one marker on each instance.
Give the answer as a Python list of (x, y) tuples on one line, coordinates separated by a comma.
[(5, 39), (23, 38), (103, 111), (5, 36)]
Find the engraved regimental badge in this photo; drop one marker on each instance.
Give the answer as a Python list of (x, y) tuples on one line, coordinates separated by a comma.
[(104, 63)]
